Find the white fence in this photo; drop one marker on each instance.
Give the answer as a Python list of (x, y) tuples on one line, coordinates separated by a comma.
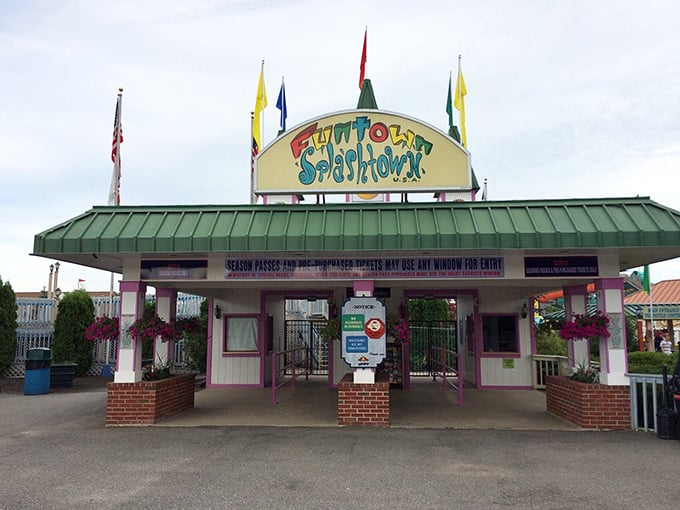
[(35, 328)]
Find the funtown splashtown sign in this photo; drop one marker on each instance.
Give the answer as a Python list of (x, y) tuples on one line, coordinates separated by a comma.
[(360, 151)]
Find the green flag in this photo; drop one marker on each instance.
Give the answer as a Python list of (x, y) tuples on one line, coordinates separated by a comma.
[(646, 284), (449, 104)]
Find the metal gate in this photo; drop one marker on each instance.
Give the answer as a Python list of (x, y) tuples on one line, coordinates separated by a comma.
[(424, 336), (305, 333)]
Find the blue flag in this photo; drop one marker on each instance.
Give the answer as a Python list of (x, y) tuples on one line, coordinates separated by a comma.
[(281, 105)]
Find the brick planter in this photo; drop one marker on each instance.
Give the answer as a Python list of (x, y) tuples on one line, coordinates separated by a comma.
[(146, 402), (363, 404), (590, 406)]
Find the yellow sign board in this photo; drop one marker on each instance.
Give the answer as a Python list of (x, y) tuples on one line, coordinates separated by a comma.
[(362, 151)]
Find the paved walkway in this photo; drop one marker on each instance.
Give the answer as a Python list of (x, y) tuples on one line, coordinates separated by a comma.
[(425, 405), (56, 453)]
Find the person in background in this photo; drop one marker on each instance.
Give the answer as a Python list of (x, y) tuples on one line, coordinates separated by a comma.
[(657, 341), (666, 345)]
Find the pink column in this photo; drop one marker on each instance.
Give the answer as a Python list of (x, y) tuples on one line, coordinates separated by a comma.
[(166, 309), (129, 365), (575, 303), (613, 352)]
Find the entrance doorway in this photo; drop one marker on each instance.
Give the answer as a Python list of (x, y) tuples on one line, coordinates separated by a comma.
[(306, 333), (426, 335)]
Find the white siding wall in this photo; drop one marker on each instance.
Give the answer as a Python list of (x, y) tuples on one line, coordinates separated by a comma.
[(234, 369), (501, 300)]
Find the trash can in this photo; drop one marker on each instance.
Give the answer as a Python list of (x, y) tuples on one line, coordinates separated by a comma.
[(667, 424), (37, 371)]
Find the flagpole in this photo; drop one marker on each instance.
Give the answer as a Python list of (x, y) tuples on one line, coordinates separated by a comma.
[(252, 158), (651, 309)]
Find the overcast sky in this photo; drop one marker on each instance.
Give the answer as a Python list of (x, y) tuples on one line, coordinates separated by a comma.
[(566, 99)]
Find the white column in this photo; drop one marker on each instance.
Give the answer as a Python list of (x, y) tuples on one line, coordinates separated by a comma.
[(613, 351), (575, 303), (364, 288), (166, 309), (129, 366)]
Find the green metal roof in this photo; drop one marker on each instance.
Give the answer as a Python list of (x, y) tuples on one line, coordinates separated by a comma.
[(649, 231)]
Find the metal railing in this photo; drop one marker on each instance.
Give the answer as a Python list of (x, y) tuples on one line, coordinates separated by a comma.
[(285, 363), (545, 365), (445, 363), (646, 393)]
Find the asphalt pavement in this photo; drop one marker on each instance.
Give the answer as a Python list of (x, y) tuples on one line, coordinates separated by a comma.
[(55, 452)]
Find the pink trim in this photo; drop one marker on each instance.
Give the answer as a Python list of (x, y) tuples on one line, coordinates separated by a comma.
[(331, 371), (132, 286), (455, 293), (208, 367), (165, 292), (494, 387), (232, 386), (613, 284), (323, 294), (252, 354), (363, 286), (490, 355), (575, 290), (139, 288), (609, 284), (264, 199)]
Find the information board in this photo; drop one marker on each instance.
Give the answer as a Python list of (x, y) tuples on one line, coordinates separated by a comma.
[(364, 332)]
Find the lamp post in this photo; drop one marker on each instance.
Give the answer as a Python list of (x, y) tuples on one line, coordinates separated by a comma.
[(49, 282), (56, 278)]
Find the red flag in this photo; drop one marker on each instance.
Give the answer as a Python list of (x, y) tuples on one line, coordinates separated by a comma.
[(362, 66)]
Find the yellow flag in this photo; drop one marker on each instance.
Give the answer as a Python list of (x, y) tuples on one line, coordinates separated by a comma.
[(459, 102), (260, 104)]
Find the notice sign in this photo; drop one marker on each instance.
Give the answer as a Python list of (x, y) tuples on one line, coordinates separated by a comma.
[(363, 332), (558, 267)]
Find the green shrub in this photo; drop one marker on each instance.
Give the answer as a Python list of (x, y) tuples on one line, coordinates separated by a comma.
[(549, 342), (74, 314), (196, 342), (650, 362), (8, 326)]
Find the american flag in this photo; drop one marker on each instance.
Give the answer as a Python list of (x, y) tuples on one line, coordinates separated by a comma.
[(114, 190), (252, 156), (117, 132)]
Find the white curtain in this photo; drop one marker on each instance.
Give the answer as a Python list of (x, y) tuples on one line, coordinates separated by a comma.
[(241, 334)]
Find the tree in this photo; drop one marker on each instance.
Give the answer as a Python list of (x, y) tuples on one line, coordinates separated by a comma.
[(428, 310), (196, 341), (8, 326), (74, 314)]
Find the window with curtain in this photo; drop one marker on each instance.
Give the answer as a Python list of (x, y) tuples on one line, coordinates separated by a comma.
[(240, 334)]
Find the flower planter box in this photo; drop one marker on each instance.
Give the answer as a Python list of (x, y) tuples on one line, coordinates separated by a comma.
[(588, 405), (146, 402), (62, 375)]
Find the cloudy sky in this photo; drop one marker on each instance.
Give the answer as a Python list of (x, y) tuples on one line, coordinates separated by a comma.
[(566, 98)]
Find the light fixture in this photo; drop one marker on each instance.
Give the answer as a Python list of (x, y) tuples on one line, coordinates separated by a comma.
[(524, 311), (218, 311)]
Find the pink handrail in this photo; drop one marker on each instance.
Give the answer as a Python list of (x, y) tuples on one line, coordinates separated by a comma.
[(276, 372), (441, 367)]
